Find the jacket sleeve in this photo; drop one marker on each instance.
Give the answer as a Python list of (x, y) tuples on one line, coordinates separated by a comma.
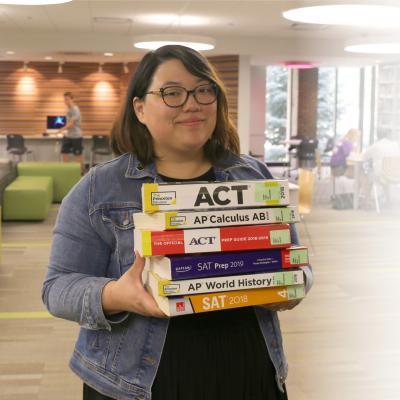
[(261, 167), (78, 263)]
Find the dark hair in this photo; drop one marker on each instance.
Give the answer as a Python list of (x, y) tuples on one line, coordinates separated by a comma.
[(69, 94), (133, 136)]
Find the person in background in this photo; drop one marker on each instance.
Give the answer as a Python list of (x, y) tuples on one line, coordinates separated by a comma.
[(385, 146), (175, 126), (72, 140), (348, 145), (342, 174), (373, 157)]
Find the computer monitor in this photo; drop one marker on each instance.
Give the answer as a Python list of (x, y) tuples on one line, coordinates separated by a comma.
[(55, 122)]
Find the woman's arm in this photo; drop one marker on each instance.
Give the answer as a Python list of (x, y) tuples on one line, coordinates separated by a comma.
[(76, 287), (78, 263)]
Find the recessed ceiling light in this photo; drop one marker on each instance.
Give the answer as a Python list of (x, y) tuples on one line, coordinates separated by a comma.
[(48, 58), (153, 42), (33, 2), (371, 46), (172, 19), (109, 54), (346, 14), (10, 52)]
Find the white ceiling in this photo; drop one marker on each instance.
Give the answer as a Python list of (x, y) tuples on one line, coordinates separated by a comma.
[(251, 28)]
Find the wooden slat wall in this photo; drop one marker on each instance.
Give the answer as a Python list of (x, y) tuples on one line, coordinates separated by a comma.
[(27, 97), (228, 69)]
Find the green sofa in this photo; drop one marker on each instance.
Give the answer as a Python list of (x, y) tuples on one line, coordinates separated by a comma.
[(28, 198), (64, 175)]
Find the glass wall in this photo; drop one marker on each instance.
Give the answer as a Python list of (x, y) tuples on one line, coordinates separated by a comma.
[(348, 97), (326, 109), (276, 129), (338, 104)]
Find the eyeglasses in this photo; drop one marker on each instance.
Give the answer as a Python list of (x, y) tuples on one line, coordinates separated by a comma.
[(177, 96)]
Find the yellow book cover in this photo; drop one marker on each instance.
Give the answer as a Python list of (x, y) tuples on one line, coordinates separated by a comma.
[(181, 305)]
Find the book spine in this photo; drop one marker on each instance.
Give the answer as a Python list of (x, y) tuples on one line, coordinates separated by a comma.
[(230, 263), (248, 237), (220, 284), (217, 218), (226, 300), (241, 194)]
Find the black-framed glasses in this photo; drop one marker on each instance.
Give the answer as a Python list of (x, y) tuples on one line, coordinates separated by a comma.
[(177, 96)]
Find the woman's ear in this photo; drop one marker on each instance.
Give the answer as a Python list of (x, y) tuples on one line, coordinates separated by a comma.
[(138, 108)]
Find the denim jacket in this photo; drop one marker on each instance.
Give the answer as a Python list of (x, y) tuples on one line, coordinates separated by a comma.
[(92, 244)]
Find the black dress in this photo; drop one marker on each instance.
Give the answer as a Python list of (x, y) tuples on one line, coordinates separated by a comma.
[(219, 355)]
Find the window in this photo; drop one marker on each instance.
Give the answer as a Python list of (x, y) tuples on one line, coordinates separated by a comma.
[(338, 103), (277, 114), (326, 110)]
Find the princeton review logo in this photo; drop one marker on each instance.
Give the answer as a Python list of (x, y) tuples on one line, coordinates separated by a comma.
[(163, 198), (180, 306)]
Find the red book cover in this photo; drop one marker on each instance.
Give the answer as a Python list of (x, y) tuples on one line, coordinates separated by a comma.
[(249, 237)]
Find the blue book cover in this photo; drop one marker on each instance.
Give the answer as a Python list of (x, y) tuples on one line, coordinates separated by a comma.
[(229, 263)]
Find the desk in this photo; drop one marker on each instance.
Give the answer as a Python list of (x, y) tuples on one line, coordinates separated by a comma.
[(47, 148), (356, 161)]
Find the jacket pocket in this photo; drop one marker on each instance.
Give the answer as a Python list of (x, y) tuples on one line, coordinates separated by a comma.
[(120, 222), (94, 345)]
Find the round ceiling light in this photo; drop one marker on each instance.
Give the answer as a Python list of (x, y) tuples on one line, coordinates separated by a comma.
[(346, 14), (33, 2), (373, 46), (153, 42)]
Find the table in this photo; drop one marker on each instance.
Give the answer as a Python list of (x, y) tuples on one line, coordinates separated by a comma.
[(356, 161), (47, 148)]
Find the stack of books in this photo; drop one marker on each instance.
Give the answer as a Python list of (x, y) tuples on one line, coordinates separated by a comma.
[(220, 245)]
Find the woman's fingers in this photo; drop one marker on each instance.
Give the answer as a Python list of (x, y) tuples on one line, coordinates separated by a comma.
[(138, 267), (144, 301)]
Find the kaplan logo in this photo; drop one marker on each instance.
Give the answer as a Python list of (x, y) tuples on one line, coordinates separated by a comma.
[(180, 306), (185, 268), (163, 198)]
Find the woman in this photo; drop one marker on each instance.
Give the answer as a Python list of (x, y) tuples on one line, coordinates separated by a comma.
[(175, 127), (342, 151)]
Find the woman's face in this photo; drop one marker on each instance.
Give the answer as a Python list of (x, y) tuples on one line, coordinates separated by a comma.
[(179, 130)]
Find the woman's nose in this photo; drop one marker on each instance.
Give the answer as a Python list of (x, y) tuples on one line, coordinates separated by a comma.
[(191, 103)]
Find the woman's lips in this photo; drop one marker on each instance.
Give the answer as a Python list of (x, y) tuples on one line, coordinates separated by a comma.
[(190, 122)]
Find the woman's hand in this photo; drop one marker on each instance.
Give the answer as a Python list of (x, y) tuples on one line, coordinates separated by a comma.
[(129, 294), (286, 305)]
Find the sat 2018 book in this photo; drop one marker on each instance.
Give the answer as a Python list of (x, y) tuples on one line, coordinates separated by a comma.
[(198, 303)]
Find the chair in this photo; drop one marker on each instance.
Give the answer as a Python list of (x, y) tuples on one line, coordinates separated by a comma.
[(100, 146), (390, 175), (306, 191), (306, 152), (16, 146)]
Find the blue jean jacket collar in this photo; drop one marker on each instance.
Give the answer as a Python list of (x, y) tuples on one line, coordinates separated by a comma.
[(136, 170)]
